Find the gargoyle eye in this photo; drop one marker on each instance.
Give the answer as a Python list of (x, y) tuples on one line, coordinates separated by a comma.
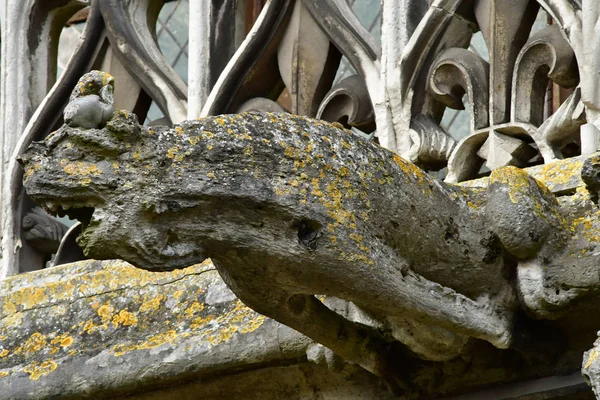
[(72, 154)]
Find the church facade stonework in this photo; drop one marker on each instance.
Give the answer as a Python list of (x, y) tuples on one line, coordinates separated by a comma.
[(329, 235)]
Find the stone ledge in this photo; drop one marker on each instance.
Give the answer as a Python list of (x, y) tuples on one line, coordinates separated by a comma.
[(95, 327), (104, 329)]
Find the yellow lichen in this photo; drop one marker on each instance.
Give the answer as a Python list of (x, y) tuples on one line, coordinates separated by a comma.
[(105, 312), (124, 318), (591, 358), (9, 308), (37, 370), (33, 344), (172, 152), (516, 180), (152, 305), (177, 294), (80, 168), (193, 309), (152, 342), (31, 169), (194, 140)]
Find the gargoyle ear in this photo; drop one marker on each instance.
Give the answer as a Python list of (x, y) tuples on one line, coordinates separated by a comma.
[(124, 127)]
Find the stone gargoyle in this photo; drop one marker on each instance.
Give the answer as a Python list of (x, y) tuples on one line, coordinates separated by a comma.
[(290, 208)]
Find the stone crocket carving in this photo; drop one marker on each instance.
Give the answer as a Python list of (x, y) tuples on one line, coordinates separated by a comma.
[(289, 208)]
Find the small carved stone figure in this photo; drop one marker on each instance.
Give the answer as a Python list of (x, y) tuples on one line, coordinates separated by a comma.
[(91, 103), (43, 231)]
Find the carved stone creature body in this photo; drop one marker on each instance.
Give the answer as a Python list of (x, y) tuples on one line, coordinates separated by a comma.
[(288, 208)]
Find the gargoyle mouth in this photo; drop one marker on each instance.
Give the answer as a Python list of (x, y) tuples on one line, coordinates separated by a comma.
[(74, 210)]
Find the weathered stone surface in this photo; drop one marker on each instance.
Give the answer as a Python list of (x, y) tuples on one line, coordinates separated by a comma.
[(288, 207), (99, 328), (591, 368)]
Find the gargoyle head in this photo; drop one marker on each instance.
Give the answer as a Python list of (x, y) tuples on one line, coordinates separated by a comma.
[(165, 198), (103, 177)]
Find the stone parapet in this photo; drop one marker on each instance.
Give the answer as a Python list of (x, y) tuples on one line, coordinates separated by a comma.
[(96, 328)]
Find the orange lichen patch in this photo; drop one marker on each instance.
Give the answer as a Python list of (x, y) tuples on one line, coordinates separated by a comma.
[(89, 326), (62, 340), (80, 168), (114, 275), (3, 374), (241, 319), (557, 175), (193, 309), (337, 125), (124, 318), (208, 134), (587, 227), (521, 187), (105, 312), (411, 169), (356, 237), (200, 322), (33, 344), (4, 353), (150, 343), (25, 298), (185, 319), (154, 304), (13, 319), (106, 78), (36, 370), (172, 152)]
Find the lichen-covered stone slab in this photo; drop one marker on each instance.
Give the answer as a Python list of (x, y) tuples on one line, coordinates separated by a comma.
[(96, 328)]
